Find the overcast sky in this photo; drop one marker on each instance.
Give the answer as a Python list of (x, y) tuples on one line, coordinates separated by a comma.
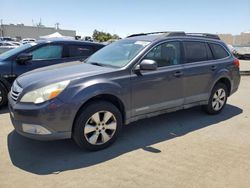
[(125, 17)]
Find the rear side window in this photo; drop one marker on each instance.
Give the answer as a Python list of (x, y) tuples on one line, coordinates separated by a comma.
[(80, 51), (196, 51), (218, 51)]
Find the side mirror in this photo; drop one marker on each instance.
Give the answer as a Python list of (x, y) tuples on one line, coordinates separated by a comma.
[(148, 64), (23, 58)]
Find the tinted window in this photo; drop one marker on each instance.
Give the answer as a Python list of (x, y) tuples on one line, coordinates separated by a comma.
[(48, 52), (165, 54), (218, 51), (80, 51), (195, 51), (209, 53)]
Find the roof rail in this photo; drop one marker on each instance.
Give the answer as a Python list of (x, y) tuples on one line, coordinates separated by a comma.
[(166, 33), (205, 35), (178, 33)]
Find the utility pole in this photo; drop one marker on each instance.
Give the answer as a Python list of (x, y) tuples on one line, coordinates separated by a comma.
[(57, 25)]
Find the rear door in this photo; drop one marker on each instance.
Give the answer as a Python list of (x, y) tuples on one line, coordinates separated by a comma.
[(199, 69)]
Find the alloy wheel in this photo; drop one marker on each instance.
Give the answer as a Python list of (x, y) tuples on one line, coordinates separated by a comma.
[(219, 99), (100, 127)]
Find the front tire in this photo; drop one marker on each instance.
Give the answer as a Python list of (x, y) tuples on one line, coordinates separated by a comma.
[(218, 99), (97, 125), (3, 96)]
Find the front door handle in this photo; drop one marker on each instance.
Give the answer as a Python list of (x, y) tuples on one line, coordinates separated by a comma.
[(178, 73)]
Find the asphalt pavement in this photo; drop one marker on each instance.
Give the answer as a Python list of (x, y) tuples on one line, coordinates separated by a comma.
[(187, 148)]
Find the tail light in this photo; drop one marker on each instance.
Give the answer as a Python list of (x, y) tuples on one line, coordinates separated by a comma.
[(237, 63)]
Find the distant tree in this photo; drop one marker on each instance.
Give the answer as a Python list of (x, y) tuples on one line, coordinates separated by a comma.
[(102, 36), (115, 36)]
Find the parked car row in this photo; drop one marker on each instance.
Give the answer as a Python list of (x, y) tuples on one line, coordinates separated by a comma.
[(141, 76), (7, 43), (6, 46)]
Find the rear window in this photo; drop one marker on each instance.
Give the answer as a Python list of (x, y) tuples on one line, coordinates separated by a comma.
[(196, 51), (218, 51), (80, 51)]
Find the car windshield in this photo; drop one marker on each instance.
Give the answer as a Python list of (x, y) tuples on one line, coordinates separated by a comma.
[(14, 51), (117, 54)]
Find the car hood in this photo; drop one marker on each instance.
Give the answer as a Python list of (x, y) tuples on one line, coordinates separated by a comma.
[(61, 72)]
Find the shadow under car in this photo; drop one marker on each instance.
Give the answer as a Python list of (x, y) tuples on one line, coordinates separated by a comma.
[(56, 156)]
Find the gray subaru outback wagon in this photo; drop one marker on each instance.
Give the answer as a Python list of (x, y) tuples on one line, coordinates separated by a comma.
[(137, 77)]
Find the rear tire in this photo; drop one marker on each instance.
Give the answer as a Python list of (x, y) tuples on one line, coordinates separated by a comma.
[(217, 99), (97, 125), (3, 96)]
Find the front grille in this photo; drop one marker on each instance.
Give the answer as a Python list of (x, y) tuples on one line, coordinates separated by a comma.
[(15, 91)]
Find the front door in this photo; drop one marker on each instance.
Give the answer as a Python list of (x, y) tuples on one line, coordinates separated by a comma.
[(162, 88), (45, 55)]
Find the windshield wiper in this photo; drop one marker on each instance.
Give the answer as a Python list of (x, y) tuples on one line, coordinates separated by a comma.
[(98, 64)]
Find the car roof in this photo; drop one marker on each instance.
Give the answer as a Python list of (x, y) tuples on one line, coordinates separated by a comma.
[(67, 41), (158, 36)]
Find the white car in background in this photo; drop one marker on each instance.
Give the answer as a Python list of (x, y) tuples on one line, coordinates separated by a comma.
[(27, 40), (16, 43), (243, 52)]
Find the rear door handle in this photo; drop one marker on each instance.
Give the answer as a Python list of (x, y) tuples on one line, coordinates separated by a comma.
[(178, 73), (213, 67)]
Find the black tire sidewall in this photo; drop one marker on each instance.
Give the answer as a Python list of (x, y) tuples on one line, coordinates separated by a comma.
[(85, 114), (210, 108), (4, 96)]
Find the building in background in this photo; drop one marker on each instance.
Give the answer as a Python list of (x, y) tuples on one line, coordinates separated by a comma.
[(227, 38), (239, 40), (21, 31)]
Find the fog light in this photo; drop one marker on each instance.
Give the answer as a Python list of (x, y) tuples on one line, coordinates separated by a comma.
[(35, 129)]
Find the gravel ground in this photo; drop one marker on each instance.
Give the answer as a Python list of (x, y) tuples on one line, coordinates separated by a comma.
[(181, 149)]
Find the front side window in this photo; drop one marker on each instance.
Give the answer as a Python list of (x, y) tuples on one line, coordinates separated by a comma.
[(195, 52), (165, 54), (117, 54), (47, 52), (218, 51), (80, 51)]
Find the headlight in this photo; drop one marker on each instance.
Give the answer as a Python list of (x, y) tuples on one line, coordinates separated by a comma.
[(45, 93)]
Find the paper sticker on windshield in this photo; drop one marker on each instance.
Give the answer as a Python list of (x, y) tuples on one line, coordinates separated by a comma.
[(143, 43)]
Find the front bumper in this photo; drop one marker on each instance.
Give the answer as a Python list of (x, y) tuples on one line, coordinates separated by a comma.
[(52, 115)]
